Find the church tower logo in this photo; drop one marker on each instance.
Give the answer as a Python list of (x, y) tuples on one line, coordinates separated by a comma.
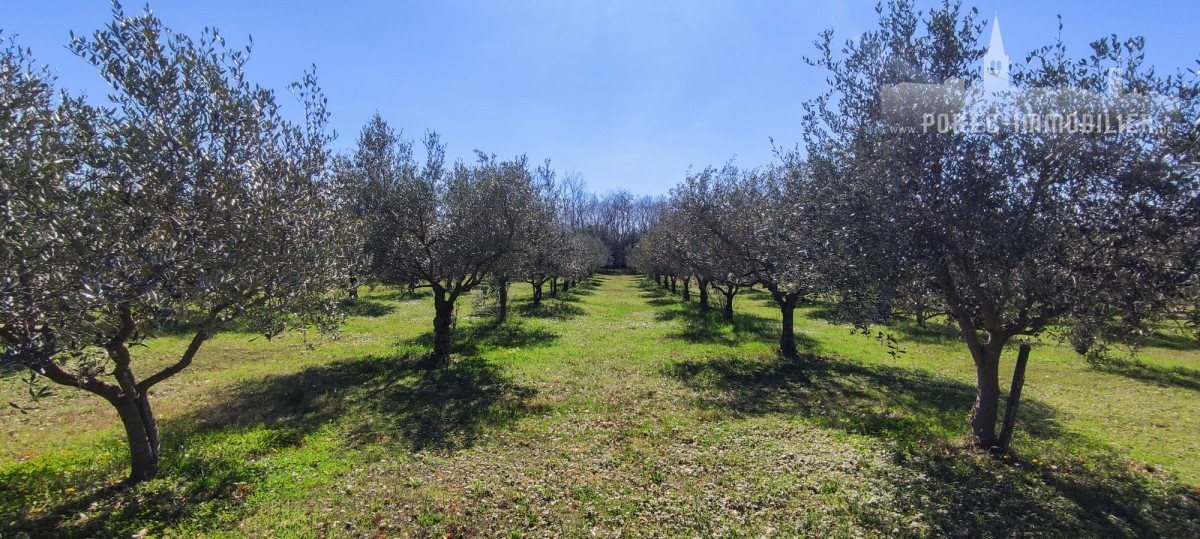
[(995, 63), (992, 103)]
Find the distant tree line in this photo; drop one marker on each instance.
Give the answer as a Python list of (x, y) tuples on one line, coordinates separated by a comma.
[(617, 218)]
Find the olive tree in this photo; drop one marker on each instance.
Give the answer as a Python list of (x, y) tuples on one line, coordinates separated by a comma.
[(770, 229), (1015, 229), (189, 202), (546, 244), (445, 229), (708, 221), (586, 254)]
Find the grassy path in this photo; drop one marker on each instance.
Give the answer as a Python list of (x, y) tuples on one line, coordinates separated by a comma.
[(614, 411)]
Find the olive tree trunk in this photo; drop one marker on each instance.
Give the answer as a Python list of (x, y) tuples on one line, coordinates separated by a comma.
[(141, 433), (986, 355), (727, 308), (1014, 397), (787, 309), (502, 315), (443, 327), (537, 294)]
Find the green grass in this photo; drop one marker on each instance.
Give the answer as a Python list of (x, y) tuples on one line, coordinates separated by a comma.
[(617, 410)]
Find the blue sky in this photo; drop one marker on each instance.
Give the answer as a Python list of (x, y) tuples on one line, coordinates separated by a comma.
[(626, 93)]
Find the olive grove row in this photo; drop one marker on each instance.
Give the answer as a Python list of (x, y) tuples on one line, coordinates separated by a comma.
[(1009, 232), (190, 203)]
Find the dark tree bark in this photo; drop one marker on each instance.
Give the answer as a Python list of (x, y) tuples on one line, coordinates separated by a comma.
[(503, 298), (554, 287), (673, 285), (787, 308), (1014, 398), (729, 292), (987, 400), (702, 287), (537, 294), (920, 315), (687, 293), (986, 355), (141, 433), (443, 327)]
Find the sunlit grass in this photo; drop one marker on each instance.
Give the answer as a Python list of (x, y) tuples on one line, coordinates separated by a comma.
[(617, 409)]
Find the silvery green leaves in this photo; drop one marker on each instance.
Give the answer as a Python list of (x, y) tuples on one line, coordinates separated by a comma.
[(214, 203), (189, 202), (45, 228), (1072, 203), (427, 224)]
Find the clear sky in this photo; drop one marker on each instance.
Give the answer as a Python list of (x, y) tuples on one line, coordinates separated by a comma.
[(627, 93)]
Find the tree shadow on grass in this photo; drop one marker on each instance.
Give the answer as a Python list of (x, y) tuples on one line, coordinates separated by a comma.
[(211, 456), (655, 295), (903, 405), (557, 309), (1172, 341), (660, 301), (757, 294), (823, 310), (650, 289), (402, 294), (471, 340), (1134, 369), (580, 290), (699, 326), (963, 492), (930, 333), (393, 399), (366, 307), (933, 332)]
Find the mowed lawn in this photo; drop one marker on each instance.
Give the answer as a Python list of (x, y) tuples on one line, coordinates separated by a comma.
[(614, 411)]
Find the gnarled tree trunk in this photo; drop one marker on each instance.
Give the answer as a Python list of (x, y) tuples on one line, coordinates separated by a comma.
[(787, 308), (141, 433), (503, 299), (537, 294), (727, 307), (986, 355), (443, 328)]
